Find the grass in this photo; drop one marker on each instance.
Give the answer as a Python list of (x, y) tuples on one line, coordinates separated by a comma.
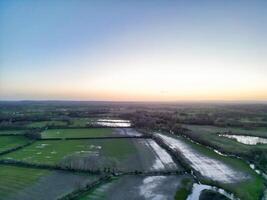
[(12, 132), (9, 142), (52, 152), (186, 189), (76, 133), (248, 189), (13, 179), (46, 123)]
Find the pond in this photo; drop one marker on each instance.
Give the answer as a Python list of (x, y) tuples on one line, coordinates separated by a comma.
[(250, 140)]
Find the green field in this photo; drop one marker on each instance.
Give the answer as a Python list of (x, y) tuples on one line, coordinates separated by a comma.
[(46, 123), (13, 179), (95, 153), (12, 132), (77, 133), (9, 142)]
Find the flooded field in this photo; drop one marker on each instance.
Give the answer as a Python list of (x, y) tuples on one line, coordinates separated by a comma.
[(209, 167), (162, 160), (137, 187), (250, 140), (113, 123)]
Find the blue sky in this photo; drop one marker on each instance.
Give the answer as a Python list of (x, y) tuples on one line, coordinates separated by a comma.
[(133, 50)]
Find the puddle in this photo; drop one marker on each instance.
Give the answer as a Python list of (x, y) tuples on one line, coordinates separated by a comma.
[(250, 140), (198, 188), (149, 186)]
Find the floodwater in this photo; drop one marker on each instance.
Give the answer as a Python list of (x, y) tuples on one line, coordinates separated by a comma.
[(163, 160), (207, 166), (113, 122), (128, 132), (198, 188), (250, 140)]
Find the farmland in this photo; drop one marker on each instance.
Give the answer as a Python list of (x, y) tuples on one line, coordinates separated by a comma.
[(64, 152), (214, 167), (119, 154), (150, 187), (207, 135), (26, 183)]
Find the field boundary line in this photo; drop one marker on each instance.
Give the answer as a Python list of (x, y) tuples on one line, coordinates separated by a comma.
[(93, 138), (16, 148)]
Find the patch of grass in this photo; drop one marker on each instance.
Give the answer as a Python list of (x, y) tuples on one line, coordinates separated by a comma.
[(183, 191), (13, 179), (77, 133), (9, 142)]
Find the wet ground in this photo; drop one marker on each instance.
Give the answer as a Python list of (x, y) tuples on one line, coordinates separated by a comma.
[(207, 166), (113, 123)]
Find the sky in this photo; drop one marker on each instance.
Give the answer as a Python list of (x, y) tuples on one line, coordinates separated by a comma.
[(138, 50)]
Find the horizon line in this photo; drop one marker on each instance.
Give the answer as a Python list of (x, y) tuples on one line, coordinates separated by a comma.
[(141, 101)]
